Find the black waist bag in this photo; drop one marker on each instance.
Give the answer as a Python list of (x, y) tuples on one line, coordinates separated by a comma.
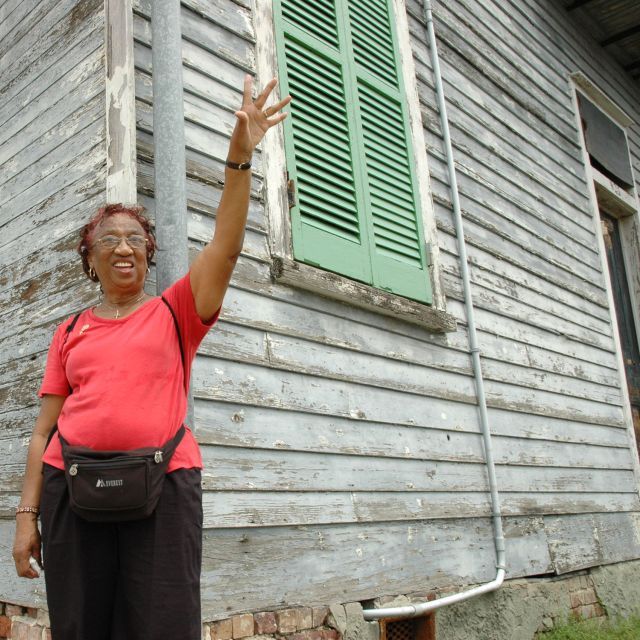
[(116, 486)]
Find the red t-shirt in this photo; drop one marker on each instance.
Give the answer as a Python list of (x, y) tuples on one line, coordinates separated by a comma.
[(127, 378)]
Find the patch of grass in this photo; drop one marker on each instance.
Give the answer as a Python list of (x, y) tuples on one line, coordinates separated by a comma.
[(622, 629)]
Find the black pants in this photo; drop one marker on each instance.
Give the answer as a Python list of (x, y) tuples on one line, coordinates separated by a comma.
[(124, 581)]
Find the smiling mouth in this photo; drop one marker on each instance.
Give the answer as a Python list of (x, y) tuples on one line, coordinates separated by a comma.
[(123, 265)]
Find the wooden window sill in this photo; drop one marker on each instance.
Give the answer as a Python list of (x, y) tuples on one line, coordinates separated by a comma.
[(337, 287)]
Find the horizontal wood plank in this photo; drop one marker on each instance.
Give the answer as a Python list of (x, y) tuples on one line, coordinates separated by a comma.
[(243, 425), (247, 509), (234, 469)]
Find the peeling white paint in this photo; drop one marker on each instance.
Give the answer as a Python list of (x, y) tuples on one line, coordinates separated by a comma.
[(120, 104)]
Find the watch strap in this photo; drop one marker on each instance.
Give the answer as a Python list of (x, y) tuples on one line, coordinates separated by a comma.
[(240, 166)]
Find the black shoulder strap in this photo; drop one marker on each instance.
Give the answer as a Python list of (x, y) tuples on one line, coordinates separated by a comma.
[(69, 328), (175, 322), (67, 332)]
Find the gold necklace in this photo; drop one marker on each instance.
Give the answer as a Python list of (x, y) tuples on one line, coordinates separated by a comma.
[(124, 306)]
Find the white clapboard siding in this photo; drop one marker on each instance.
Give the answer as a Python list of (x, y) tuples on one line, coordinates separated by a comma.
[(210, 36), (516, 276), (53, 158), (245, 425), (376, 401), (438, 351), (231, 342), (62, 22), (58, 205), (479, 234), (488, 294), (254, 426), (528, 221), (467, 41), (12, 12), (539, 203), (371, 556), (56, 69), (486, 278), (204, 74), (203, 197), (338, 434), (496, 109), (523, 72), (241, 509), (496, 133)]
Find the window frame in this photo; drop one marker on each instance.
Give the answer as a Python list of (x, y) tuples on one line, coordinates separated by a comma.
[(285, 269), (624, 205)]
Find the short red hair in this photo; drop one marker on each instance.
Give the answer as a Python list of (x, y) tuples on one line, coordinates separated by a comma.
[(86, 233)]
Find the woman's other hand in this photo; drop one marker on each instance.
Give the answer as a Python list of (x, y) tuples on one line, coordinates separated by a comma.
[(27, 544), (254, 120), (27, 541)]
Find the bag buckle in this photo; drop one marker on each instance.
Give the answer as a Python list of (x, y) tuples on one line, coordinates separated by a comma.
[(158, 457)]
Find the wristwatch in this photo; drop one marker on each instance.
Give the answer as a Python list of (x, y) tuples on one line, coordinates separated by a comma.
[(240, 166)]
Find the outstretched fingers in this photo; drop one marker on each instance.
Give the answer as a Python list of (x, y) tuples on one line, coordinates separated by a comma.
[(266, 92), (276, 119), (247, 90), (273, 109)]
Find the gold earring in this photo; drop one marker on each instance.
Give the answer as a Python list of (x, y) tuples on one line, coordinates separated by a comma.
[(92, 273)]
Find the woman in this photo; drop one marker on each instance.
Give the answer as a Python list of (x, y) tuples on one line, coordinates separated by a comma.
[(115, 381)]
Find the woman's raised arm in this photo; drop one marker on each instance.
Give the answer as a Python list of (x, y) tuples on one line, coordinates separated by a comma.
[(212, 269)]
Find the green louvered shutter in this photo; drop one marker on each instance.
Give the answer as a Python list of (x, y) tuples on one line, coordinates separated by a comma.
[(348, 144), (326, 225), (392, 203)]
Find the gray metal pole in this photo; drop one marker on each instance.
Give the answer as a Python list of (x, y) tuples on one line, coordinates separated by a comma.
[(170, 188), (170, 182)]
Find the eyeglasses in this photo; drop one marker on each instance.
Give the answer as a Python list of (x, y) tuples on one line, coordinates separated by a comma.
[(111, 242)]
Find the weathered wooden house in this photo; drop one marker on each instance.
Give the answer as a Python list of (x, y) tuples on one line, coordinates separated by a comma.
[(335, 402)]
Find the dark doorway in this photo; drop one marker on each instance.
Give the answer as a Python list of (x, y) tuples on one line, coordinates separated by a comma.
[(626, 325)]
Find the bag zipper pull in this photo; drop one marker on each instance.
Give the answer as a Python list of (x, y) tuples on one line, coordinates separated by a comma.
[(158, 457), (73, 470)]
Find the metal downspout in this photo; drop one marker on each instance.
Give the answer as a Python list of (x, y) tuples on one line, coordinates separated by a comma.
[(170, 181), (410, 611), (170, 190)]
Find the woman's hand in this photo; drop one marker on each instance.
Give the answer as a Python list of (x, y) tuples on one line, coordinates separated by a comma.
[(27, 540), (254, 120), (26, 545)]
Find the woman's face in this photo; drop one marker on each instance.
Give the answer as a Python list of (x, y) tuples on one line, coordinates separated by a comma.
[(121, 268)]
